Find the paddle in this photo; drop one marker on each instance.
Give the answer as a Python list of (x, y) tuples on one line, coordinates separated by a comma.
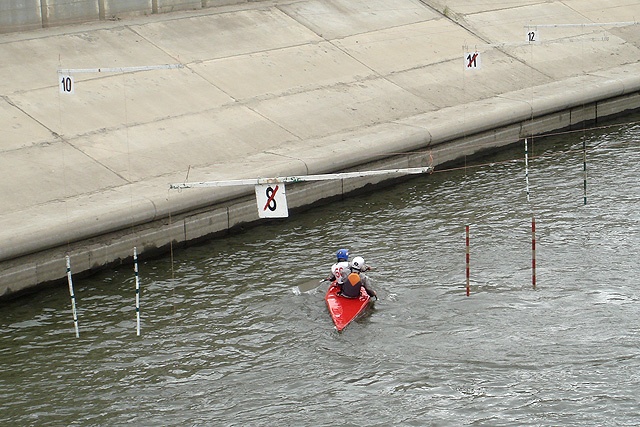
[(312, 284), (307, 286)]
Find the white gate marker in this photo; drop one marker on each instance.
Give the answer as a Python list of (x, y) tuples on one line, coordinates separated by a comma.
[(533, 35), (272, 201), (472, 61), (67, 84)]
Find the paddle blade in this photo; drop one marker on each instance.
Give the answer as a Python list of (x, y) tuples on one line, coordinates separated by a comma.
[(307, 286)]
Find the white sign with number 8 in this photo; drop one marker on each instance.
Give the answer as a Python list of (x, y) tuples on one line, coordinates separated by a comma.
[(272, 201)]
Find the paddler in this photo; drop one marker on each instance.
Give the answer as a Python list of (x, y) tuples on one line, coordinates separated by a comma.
[(356, 280), (340, 269)]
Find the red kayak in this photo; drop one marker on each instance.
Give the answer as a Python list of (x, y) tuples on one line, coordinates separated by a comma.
[(343, 310)]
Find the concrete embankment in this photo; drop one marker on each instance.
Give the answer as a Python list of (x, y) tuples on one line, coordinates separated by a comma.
[(21, 15), (275, 89)]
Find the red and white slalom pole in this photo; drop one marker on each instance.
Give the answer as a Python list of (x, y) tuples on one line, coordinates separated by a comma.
[(533, 219)]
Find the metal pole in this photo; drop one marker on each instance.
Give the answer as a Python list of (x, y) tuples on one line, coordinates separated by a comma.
[(73, 297), (526, 166), (119, 69), (584, 167), (533, 252), (468, 273), (301, 178), (135, 269)]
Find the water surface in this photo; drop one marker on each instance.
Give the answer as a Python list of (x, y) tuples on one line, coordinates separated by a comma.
[(225, 341)]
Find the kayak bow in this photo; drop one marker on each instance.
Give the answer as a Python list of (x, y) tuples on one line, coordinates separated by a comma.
[(342, 309)]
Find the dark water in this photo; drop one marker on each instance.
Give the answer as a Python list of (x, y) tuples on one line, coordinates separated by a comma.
[(225, 341)]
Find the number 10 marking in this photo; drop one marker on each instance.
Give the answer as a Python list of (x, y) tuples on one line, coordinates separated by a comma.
[(66, 84)]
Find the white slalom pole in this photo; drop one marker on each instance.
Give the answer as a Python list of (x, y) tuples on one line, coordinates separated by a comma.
[(135, 269), (73, 297), (526, 166), (467, 246), (584, 166)]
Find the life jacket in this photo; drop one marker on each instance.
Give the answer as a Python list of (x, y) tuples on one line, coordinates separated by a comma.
[(351, 286)]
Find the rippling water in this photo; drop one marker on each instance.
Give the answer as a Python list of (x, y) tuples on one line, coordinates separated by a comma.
[(225, 341)]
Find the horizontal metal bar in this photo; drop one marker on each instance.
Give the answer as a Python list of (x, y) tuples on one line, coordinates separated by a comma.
[(119, 69), (589, 24), (301, 178)]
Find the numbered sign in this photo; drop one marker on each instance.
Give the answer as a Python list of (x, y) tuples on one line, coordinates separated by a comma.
[(67, 85), (472, 61), (533, 35), (272, 201)]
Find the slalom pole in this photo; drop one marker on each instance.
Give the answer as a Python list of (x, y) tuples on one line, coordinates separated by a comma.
[(467, 245), (533, 251), (533, 219), (526, 166), (135, 269), (73, 297), (584, 167)]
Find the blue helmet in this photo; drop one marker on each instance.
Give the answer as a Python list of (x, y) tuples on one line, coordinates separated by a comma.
[(342, 254)]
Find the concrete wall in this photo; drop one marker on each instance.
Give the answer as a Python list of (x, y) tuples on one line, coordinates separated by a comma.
[(68, 12), (26, 15), (112, 9), (20, 15)]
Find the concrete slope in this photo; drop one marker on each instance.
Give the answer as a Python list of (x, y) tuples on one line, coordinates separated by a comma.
[(275, 89)]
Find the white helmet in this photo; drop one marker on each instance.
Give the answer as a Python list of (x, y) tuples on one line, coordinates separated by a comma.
[(357, 263)]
